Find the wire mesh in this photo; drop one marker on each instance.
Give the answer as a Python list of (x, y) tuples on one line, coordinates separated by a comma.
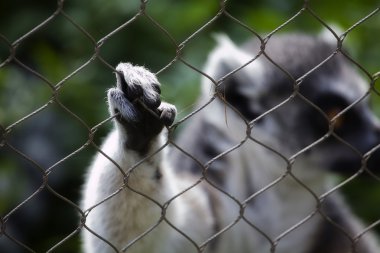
[(11, 232)]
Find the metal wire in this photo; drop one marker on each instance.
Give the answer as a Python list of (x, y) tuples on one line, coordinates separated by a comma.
[(179, 47)]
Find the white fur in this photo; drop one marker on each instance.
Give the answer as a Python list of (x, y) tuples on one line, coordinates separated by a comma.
[(123, 217)]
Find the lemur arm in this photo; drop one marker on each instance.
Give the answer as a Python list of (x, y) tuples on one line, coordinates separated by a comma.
[(133, 199), (116, 213)]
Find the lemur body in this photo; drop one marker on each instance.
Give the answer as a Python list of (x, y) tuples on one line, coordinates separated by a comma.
[(270, 199)]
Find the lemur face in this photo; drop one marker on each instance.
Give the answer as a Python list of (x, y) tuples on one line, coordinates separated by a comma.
[(344, 117), (325, 103)]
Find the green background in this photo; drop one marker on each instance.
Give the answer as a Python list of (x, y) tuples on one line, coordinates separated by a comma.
[(69, 40)]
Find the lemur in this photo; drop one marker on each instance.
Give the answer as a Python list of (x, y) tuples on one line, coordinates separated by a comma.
[(250, 171)]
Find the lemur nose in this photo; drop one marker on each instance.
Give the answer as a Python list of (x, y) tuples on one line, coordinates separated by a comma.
[(373, 163)]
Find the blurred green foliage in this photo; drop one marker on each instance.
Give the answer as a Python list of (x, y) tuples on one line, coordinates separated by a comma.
[(58, 48)]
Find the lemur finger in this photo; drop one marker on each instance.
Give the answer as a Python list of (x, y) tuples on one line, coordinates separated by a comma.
[(136, 82), (121, 106), (167, 113)]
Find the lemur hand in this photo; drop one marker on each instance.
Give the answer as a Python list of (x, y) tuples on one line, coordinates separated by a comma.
[(137, 105)]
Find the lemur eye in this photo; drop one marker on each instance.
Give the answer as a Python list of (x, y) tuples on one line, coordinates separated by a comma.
[(332, 112), (331, 104)]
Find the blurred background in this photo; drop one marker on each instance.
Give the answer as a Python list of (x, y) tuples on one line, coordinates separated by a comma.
[(32, 64)]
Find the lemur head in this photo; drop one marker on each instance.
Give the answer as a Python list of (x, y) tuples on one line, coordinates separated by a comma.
[(326, 102)]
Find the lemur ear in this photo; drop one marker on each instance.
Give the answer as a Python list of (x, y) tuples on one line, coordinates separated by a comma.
[(225, 58), (240, 88), (327, 36)]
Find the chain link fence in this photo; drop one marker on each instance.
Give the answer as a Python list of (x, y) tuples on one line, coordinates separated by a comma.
[(47, 102)]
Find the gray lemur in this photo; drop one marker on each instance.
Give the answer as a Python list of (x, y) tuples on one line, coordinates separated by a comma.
[(251, 171)]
